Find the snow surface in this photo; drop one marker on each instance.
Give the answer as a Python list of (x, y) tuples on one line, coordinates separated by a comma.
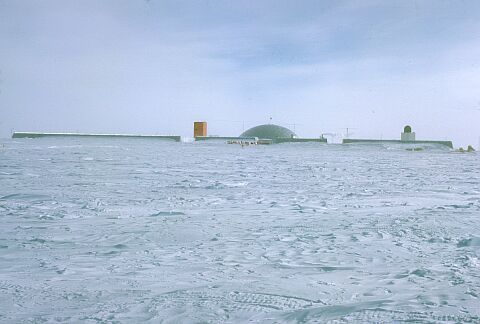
[(126, 230)]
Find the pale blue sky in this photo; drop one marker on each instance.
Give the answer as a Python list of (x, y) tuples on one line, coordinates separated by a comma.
[(156, 66)]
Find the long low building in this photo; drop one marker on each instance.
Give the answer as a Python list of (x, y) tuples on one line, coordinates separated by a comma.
[(262, 134), (37, 135), (371, 141), (223, 138), (407, 137)]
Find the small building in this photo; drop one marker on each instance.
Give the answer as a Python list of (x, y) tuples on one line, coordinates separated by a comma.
[(407, 135), (199, 129)]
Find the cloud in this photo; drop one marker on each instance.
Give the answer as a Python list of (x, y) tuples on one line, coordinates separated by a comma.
[(156, 66)]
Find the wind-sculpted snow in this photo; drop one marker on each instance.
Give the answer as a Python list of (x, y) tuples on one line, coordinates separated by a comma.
[(123, 230)]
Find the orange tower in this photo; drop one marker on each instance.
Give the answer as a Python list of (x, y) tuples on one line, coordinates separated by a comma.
[(199, 129)]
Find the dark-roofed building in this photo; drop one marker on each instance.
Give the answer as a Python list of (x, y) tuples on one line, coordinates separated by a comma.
[(269, 131)]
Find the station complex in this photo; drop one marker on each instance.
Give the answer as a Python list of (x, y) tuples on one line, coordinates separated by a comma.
[(262, 134)]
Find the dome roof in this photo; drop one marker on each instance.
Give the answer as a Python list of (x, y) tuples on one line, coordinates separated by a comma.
[(269, 132)]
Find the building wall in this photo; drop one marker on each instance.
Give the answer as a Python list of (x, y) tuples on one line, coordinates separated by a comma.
[(408, 137)]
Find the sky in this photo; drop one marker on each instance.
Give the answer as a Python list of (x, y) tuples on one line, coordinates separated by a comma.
[(155, 67)]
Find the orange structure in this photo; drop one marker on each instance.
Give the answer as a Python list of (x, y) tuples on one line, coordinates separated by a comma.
[(199, 129)]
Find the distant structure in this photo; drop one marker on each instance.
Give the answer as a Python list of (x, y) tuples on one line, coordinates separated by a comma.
[(278, 134), (264, 134), (269, 131), (407, 137), (469, 149), (37, 135), (199, 129), (261, 134)]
